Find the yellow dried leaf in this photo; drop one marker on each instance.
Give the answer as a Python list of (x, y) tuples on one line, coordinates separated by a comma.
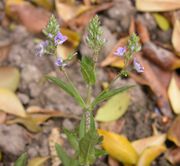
[(150, 154), (118, 147), (174, 95), (114, 108), (47, 4), (37, 161), (9, 77), (176, 36), (161, 21), (157, 5), (10, 103), (174, 131), (69, 11), (141, 144)]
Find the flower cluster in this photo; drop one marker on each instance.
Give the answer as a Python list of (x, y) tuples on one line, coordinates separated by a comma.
[(127, 53), (54, 38)]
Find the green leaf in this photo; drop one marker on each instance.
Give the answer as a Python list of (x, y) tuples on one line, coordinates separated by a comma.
[(92, 122), (82, 127), (106, 94), (72, 138), (22, 160), (87, 148), (100, 153), (161, 21), (114, 108), (87, 70), (71, 90), (66, 160)]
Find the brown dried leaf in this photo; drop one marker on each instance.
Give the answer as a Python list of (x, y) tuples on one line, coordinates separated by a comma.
[(112, 161), (173, 156), (174, 131), (3, 116), (69, 11), (33, 18), (161, 57), (157, 5), (156, 86), (113, 60)]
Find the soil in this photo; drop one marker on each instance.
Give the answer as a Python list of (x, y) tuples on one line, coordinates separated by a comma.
[(142, 113)]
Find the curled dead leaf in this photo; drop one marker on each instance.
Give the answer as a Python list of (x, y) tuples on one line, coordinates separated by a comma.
[(149, 154), (37, 161), (174, 132), (141, 144), (118, 147)]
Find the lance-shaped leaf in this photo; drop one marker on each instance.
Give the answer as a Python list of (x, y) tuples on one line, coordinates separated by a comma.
[(157, 5), (66, 160), (87, 144), (70, 89), (118, 147), (22, 160), (150, 154), (87, 70), (10, 103), (106, 94), (114, 108)]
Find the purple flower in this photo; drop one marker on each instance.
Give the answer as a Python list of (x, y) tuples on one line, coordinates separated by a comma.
[(137, 66), (120, 51), (50, 35), (59, 38), (39, 50), (59, 62)]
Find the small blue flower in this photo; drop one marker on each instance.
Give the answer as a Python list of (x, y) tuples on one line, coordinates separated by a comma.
[(59, 38), (137, 66), (120, 51), (59, 62)]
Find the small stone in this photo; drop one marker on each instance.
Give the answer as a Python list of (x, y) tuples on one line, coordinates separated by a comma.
[(67, 124), (13, 139), (23, 98)]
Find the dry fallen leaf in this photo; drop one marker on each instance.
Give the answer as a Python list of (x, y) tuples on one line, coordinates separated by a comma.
[(174, 95), (174, 131), (33, 18), (114, 108), (176, 36), (47, 4), (141, 144), (113, 60), (173, 156), (9, 103), (69, 11), (162, 21), (9, 77), (118, 147), (150, 154), (3, 116), (157, 5), (37, 161), (5, 44)]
